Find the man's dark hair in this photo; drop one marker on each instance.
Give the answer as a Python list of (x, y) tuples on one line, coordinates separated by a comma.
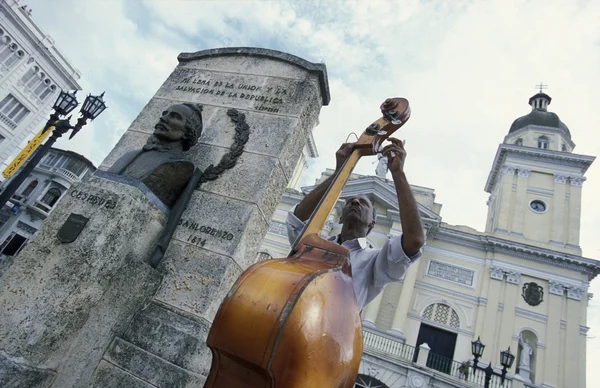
[(193, 126)]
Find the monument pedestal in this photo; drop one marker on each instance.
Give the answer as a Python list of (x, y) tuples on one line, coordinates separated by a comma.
[(63, 302), (93, 313)]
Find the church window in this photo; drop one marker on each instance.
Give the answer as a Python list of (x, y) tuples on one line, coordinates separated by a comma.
[(364, 381), (537, 206), (442, 313), (543, 142)]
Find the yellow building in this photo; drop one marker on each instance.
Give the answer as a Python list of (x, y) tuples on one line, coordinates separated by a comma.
[(522, 283)]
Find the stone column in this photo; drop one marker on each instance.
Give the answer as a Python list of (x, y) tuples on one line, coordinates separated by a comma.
[(404, 300), (371, 310), (118, 322)]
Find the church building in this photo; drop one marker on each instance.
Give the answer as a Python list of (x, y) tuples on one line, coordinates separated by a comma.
[(521, 284)]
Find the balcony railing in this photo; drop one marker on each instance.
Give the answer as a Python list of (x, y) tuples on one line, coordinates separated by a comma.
[(8, 123), (62, 172), (376, 341)]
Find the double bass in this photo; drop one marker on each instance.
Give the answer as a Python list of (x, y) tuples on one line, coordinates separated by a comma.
[(295, 322)]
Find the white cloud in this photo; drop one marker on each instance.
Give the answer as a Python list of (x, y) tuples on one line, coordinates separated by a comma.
[(467, 68)]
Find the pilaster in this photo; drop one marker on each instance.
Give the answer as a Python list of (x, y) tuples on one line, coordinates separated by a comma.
[(552, 340), (520, 204), (503, 209), (405, 299), (559, 217)]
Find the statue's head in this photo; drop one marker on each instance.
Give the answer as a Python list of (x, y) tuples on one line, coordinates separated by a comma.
[(180, 123)]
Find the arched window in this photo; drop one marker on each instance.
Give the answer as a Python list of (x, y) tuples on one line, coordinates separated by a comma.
[(543, 142), (51, 196), (442, 313), (519, 141), (29, 189), (364, 381)]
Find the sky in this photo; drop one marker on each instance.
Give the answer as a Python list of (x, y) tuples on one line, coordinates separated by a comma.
[(468, 69)]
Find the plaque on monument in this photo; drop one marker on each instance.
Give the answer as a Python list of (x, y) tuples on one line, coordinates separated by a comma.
[(94, 312)]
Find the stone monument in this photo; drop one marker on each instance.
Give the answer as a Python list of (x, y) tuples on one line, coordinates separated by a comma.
[(89, 310)]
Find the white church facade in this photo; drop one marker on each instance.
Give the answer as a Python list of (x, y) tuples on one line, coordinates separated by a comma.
[(521, 283)]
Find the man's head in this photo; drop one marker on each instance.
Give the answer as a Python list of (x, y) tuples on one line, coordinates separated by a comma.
[(180, 123), (359, 212)]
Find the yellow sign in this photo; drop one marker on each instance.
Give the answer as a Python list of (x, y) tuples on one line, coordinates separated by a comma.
[(26, 152)]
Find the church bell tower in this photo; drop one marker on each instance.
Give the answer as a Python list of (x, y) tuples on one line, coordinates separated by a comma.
[(535, 182)]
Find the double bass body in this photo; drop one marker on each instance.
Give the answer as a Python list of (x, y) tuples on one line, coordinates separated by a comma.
[(295, 322), (289, 323)]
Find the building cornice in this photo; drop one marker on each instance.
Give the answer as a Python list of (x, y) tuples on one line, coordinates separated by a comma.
[(487, 243), (581, 162)]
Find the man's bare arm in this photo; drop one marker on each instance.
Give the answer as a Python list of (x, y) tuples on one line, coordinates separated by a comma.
[(413, 237), (307, 206)]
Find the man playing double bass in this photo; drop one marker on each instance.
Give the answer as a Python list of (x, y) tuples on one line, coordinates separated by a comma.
[(372, 269)]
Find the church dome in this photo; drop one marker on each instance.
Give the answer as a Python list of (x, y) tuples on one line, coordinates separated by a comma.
[(540, 116)]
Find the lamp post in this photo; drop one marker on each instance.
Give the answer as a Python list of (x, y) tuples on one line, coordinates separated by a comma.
[(65, 103), (506, 360)]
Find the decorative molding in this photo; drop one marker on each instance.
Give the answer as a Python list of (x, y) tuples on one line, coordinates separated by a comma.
[(560, 178), (575, 293), (577, 181), (448, 292), (565, 159), (583, 329), (540, 191), (513, 277), (557, 288), (563, 324), (523, 172), (500, 306), (497, 273), (590, 295), (441, 325), (507, 170), (488, 243), (453, 254), (531, 315)]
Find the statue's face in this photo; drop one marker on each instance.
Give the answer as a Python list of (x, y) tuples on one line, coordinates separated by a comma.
[(171, 125)]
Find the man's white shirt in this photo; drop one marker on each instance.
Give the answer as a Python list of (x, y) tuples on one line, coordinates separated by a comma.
[(372, 268)]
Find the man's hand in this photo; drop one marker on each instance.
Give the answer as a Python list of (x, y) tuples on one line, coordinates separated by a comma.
[(342, 154), (396, 155)]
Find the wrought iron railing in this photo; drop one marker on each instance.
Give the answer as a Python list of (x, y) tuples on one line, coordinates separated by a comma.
[(463, 372), (376, 341)]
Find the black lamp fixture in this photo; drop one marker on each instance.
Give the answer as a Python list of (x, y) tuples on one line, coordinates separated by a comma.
[(65, 104), (506, 360)]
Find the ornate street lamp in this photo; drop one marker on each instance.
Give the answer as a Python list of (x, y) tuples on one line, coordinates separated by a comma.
[(65, 103), (506, 360)]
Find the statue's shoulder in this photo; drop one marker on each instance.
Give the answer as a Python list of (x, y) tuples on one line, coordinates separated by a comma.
[(124, 160)]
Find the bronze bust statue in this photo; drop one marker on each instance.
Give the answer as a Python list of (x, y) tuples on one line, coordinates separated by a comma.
[(160, 164)]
